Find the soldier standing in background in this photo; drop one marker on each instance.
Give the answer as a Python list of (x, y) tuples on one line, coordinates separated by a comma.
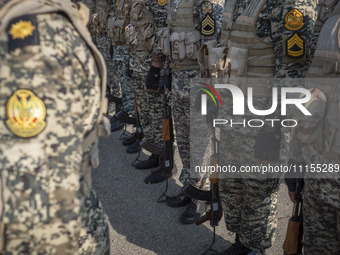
[(145, 18), (317, 140), (191, 24), (104, 10), (120, 57), (270, 39), (52, 86)]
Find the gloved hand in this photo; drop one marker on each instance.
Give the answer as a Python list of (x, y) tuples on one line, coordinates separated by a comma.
[(152, 80), (267, 145), (165, 83)]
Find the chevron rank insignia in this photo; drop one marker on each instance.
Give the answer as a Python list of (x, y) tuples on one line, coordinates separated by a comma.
[(22, 31), (208, 25), (295, 46), (294, 20), (25, 113)]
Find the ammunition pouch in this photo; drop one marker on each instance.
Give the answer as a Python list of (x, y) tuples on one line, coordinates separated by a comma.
[(116, 27), (140, 37), (163, 36), (102, 22), (140, 33), (213, 61), (184, 49)]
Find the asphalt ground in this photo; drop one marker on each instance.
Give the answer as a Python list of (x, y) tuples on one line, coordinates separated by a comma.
[(140, 225)]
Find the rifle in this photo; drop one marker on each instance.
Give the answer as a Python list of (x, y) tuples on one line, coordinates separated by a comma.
[(214, 215), (139, 130), (293, 242), (168, 138), (124, 117)]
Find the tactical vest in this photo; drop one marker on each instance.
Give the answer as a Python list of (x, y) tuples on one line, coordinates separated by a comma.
[(102, 12), (213, 60), (116, 25), (184, 39), (252, 60), (140, 32), (323, 80), (227, 22), (325, 10)]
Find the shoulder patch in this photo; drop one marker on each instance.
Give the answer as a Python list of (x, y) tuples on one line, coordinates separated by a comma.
[(294, 20), (206, 7), (295, 46), (162, 2), (22, 31), (26, 114)]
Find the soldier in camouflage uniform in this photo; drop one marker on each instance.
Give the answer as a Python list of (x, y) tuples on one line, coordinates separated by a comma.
[(120, 56), (91, 4), (317, 140), (105, 10), (52, 87), (264, 39), (188, 31), (146, 18)]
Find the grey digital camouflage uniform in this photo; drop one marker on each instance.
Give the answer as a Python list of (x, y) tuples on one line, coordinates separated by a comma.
[(249, 204), (116, 30), (183, 75), (104, 10), (321, 202), (50, 86), (149, 103)]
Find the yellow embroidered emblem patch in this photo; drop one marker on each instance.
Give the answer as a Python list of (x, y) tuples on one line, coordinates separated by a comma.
[(208, 25), (162, 2), (25, 114), (21, 29), (294, 20), (295, 46), (206, 7)]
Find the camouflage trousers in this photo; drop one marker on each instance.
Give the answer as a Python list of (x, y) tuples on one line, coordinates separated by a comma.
[(156, 112), (321, 207), (249, 204), (121, 70), (96, 238), (148, 103), (181, 115), (104, 45)]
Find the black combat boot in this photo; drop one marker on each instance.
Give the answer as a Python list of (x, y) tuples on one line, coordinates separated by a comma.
[(190, 215), (133, 148), (151, 162), (130, 139), (116, 125), (158, 175), (179, 200), (237, 248)]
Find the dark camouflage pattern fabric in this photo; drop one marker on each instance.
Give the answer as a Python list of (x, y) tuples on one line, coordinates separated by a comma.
[(149, 104), (181, 89), (254, 218), (49, 207), (121, 70), (103, 43)]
